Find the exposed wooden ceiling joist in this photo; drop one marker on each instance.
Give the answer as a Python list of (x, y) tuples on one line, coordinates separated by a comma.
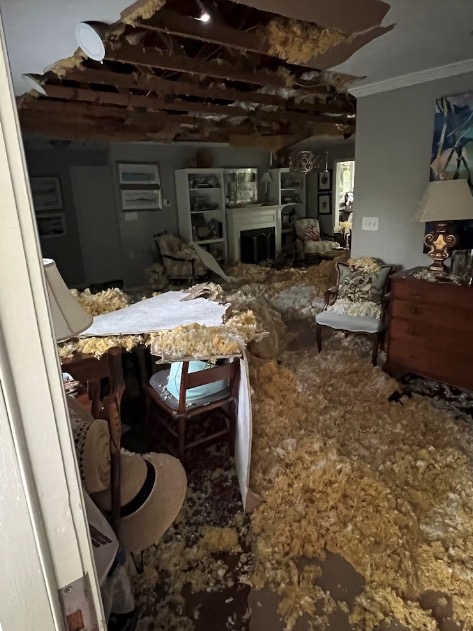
[(167, 21), (92, 111), (183, 88), (156, 58), (156, 103), (173, 77)]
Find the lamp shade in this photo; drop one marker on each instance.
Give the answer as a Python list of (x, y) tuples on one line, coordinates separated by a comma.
[(69, 318), (446, 200)]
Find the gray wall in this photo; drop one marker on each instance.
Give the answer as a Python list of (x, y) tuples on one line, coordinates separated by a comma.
[(137, 236), (345, 151), (43, 159), (393, 148)]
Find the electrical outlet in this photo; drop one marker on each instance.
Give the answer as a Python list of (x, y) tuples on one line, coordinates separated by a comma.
[(369, 223)]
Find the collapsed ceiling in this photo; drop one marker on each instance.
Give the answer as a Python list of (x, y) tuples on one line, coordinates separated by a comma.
[(246, 76)]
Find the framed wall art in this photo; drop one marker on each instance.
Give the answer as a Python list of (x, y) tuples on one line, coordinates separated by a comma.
[(325, 204), (46, 193), (141, 199), (137, 175), (51, 226), (452, 153), (325, 180)]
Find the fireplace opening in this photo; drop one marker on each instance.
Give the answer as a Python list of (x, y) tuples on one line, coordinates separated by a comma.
[(257, 245)]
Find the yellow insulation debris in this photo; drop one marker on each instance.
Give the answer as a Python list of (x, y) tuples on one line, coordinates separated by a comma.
[(63, 66), (298, 42), (101, 302), (141, 10), (220, 539), (386, 485)]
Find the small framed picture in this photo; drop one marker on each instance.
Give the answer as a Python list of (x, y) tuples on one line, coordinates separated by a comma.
[(325, 180), (141, 199), (325, 204), (46, 193), (130, 174), (51, 226)]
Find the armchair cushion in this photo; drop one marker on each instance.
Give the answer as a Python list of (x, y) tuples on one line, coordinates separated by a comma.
[(318, 247), (308, 237), (168, 244), (354, 324), (307, 229)]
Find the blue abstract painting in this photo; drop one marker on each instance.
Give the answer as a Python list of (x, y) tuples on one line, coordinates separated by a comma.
[(452, 150)]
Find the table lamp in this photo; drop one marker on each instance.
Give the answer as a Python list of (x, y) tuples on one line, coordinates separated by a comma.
[(444, 201), (266, 180), (69, 318)]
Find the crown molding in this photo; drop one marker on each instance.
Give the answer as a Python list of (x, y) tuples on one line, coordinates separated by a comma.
[(414, 78)]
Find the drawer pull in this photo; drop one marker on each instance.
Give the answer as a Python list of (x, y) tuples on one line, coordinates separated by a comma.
[(415, 310)]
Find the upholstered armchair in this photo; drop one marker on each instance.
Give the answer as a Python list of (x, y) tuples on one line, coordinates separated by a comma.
[(180, 261), (308, 239), (357, 303)]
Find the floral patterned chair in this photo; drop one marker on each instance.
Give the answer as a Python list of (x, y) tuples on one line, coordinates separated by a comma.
[(180, 261), (356, 304), (308, 239)]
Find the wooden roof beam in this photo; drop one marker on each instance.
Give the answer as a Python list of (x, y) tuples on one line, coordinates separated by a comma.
[(93, 112), (173, 23), (155, 103), (183, 88), (153, 58), (74, 127)]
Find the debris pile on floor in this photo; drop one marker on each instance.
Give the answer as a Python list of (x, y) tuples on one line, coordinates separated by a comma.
[(294, 293), (388, 486), (200, 569)]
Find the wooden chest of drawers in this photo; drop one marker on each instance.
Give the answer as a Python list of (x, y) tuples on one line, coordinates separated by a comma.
[(431, 330)]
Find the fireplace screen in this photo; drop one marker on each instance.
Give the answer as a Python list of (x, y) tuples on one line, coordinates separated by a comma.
[(257, 245)]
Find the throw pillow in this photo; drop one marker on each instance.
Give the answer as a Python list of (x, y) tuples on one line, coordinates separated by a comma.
[(361, 287), (312, 233)]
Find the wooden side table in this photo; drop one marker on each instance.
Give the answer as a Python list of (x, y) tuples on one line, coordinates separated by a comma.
[(89, 370)]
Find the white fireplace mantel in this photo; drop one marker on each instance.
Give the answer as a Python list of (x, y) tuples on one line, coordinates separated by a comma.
[(251, 218)]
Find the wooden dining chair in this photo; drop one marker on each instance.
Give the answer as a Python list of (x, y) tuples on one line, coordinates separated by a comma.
[(180, 411)]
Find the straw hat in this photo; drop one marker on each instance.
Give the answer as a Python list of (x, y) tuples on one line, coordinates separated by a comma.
[(153, 489), (92, 443)]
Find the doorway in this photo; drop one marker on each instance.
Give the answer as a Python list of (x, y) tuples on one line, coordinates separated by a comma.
[(343, 198)]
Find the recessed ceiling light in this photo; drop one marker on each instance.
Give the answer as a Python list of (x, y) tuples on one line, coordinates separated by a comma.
[(205, 17), (89, 39), (32, 81)]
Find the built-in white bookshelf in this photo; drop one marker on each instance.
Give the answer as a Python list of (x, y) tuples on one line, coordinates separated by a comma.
[(289, 189), (201, 209)]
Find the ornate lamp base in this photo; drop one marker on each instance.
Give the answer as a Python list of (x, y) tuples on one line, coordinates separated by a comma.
[(440, 241)]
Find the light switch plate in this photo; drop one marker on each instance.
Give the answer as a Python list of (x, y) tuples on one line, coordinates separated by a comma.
[(369, 223)]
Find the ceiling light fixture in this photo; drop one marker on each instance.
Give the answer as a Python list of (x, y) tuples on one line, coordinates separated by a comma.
[(307, 161), (205, 15), (33, 83), (89, 38)]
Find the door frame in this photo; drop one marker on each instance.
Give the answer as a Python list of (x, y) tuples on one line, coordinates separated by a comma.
[(45, 535)]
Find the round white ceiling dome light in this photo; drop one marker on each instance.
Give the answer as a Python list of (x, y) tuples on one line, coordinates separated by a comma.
[(89, 39)]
